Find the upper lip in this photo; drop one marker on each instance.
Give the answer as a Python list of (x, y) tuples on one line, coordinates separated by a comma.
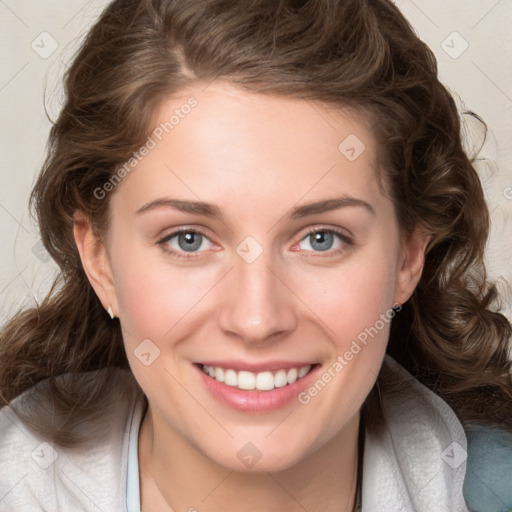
[(257, 367)]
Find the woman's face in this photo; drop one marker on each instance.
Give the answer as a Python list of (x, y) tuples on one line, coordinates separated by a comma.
[(290, 257)]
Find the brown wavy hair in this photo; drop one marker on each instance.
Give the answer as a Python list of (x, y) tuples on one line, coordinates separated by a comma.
[(357, 53)]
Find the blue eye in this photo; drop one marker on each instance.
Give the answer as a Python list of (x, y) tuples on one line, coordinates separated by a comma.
[(322, 240), (187, 240), (185, 243)]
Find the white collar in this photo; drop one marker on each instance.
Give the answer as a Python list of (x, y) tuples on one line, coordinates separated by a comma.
[(417, 462)]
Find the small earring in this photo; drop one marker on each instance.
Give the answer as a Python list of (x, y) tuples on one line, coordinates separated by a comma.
[(110, 312)]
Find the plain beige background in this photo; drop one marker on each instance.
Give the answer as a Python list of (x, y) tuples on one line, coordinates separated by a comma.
[(471, 39)]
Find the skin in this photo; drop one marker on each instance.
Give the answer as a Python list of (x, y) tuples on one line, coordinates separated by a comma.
[(255, 157)]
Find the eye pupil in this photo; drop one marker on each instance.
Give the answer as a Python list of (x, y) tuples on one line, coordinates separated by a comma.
[(324, 238), (192, 241)]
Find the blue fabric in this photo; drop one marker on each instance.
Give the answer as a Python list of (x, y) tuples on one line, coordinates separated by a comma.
[(488, 482)]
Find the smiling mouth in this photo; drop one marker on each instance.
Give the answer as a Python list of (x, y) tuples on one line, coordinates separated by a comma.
[(260, 381)]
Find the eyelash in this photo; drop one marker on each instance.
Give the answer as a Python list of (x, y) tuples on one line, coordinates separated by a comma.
[(347, 242)]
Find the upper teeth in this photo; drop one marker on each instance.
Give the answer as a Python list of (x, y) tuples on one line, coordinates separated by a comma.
[(263, 381)]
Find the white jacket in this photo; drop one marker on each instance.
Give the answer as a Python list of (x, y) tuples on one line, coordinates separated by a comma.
[(416, 464)]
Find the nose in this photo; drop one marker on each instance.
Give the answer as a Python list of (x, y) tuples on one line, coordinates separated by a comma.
[(258, 305)]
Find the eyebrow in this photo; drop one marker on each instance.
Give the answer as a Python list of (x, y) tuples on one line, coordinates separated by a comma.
[(327, 205), (211, 210)]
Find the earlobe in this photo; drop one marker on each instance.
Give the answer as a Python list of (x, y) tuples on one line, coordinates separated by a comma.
[(95, 262), (411, 263)]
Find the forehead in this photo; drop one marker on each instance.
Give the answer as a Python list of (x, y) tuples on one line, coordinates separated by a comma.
[(222, 141)]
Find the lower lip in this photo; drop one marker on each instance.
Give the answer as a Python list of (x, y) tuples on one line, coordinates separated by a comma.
[(254, 400)]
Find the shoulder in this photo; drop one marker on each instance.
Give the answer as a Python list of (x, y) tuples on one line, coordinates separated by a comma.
[(38, 474), (417, 460)]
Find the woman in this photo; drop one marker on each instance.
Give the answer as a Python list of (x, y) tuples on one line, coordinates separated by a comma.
[(273, 294)]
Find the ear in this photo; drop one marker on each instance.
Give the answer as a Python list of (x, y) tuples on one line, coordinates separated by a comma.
[(95, 262), (410, 266)]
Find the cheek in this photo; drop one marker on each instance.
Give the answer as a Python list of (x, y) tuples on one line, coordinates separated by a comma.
[(353, 295), (157, 302), (152, 293), (354, 304), (153, 299)]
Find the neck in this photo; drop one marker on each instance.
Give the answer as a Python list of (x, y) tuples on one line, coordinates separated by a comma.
[(175, 476)]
